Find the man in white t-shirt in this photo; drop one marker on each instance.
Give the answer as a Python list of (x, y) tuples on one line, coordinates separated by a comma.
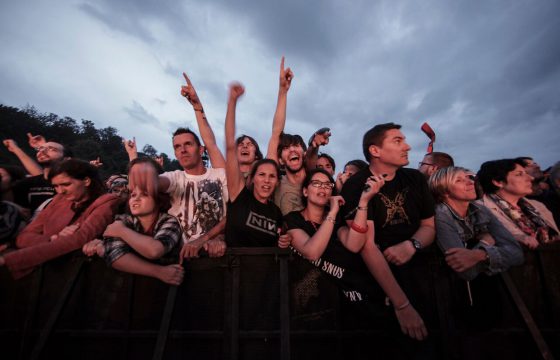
[(198, 194)]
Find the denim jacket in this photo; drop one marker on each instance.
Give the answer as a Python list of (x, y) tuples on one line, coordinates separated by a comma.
[(450, 233)]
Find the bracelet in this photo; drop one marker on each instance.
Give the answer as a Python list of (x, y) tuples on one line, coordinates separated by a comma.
[(201, 110), (359, 229), (362, 207), (403, 306), (330, 218)]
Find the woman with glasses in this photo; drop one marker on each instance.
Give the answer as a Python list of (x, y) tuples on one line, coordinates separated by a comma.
[(333, 247), (252, 217), (505, 184)]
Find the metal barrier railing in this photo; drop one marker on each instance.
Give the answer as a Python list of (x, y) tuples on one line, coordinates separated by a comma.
[(41, 321)]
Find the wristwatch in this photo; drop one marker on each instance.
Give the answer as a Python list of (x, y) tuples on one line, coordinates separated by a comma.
[(417, 244)]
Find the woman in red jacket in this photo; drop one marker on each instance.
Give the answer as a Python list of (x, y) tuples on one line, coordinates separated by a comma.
[(79, 213)]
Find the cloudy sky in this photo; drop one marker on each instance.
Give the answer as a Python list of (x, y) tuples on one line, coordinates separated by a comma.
[(484, 74)]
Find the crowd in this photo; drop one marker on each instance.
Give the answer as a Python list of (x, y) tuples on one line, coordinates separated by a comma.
[(367, 223)]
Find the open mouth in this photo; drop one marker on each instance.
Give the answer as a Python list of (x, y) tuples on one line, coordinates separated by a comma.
[(244, 153)]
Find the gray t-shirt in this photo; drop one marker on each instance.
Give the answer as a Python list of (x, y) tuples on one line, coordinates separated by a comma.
[(288, 196)]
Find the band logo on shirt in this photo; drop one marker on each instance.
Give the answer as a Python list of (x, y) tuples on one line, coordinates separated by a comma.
[(396, 213), (261, 223)]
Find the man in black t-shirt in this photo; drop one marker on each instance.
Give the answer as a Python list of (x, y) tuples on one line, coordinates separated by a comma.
[(401, 216), (31, 192)]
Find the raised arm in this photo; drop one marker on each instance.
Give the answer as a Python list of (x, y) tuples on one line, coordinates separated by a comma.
[(28, 163), (208, 138), (354, 235), (235, 180), (319, 138), (279, 121), (130, 147), (312, 247)]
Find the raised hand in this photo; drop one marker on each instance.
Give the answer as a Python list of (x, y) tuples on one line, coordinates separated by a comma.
[(11, 145), (130, 145), (159, 160), (373, 184), (320, 138), (335, 202), (35, 141), (286, 76), (97, 162), (190, 94), (236, 90)]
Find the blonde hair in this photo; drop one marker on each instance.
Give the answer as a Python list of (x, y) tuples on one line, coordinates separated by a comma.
[(440, 181)]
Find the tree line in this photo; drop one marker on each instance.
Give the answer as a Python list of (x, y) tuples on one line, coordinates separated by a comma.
[(83, 139)]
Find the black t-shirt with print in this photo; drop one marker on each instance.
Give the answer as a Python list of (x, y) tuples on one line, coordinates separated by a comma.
[(396, 210), (343, 266), (251, 223)]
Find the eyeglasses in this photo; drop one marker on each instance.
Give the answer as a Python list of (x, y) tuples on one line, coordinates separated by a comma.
[(423, 163), (47, 148), (319, 184)]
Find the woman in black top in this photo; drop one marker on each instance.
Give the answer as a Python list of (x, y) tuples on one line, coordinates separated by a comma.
[(252, 217)]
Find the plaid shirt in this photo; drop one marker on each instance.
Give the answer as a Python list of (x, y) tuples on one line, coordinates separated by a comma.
[(167, 231)]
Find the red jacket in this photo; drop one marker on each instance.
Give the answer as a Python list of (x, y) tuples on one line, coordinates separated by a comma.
[(34, 242)]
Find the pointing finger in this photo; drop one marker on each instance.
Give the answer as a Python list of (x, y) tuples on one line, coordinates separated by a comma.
[(282, 64), (187, 78)]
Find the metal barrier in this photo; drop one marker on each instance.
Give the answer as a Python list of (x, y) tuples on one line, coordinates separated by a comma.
[(243, 305)]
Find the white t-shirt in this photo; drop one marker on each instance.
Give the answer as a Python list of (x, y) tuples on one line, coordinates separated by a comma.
[(197, 201)]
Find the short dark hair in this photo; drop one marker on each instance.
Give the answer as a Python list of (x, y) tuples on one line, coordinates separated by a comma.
[(286, 140), (441, 159), (375, 136), (495, 170), (523, 160), (360, 164), (183, 130), (79, 169), (258, 153), (308, 178), (329, 159)]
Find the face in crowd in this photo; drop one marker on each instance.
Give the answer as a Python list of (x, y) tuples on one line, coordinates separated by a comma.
[(319, 190), (74, 190), (246, 152), (264, 181), (394, 149), (187, 151), (325, 164), (49, 152), (518, 182), (351, 170), (462, 187), (426, 166), (292, 157), (141, 203)]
